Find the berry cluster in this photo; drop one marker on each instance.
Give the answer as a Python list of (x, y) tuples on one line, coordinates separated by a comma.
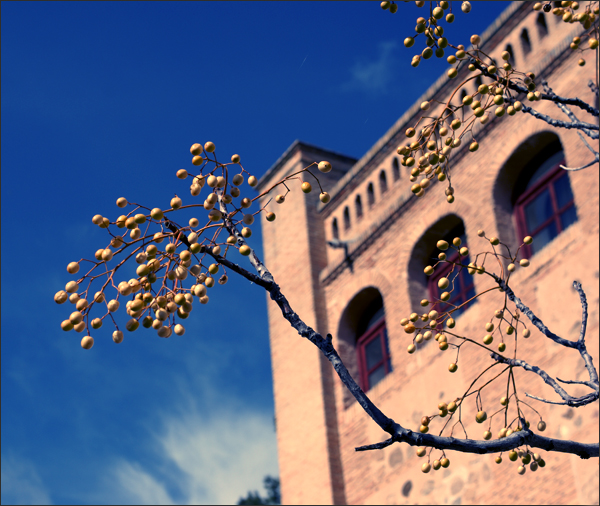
[(444, 129), (588, 17), (431, 324), (157, 295)]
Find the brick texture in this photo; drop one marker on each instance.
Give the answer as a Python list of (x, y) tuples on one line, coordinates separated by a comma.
[(318, 423)]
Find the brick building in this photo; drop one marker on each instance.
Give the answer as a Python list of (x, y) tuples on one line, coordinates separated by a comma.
[(360, 294)]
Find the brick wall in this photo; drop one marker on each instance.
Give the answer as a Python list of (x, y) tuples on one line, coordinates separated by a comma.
[(318, 423)]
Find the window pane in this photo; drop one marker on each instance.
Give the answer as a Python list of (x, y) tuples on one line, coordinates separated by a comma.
[(470, 294), (539, 210), (568, 217), (373, 352), (376, 376), (543, 237), (562, 187)]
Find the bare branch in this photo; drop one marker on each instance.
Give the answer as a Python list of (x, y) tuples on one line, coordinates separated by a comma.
[(585, 127), (399, 434), (544, 96), (519, 438), (531, 315), (583, 166), (574, 119), (589, 364), (574, 402)]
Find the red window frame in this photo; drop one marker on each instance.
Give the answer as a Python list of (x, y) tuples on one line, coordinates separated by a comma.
[(456, 297), (377, 330), (545, 182)]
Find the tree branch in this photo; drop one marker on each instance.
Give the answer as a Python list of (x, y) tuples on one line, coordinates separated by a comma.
[(574, 402), (544, 96), (516, 439), (531, 315), (397, 432), (585, 127)]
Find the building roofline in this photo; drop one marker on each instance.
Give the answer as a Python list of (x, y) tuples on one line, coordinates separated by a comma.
[(366, 159), (289, 152)]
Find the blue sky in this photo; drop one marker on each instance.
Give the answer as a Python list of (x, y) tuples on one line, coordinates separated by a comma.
[(102, 100)]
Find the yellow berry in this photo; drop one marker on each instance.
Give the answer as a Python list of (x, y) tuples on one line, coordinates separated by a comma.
[(87, 342), (306, 187), (324, 166)]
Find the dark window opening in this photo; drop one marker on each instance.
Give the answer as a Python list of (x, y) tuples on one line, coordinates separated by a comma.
[(382, 182), (525, 42), (542, 27), (396, 169), (346, 218), (358, 205), (478, 82), (370, 195), (372, 346), (334, 229), (510, 51)]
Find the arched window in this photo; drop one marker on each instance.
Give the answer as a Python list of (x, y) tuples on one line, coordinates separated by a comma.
[(370, 195), (346, 218), (372, 345), (358, 207), (362, 341), (545, 205), (396, 169), (510, 51), (382, 182), (525, 42), (425, 253), (542, 27), (462, 287), (335, 232)]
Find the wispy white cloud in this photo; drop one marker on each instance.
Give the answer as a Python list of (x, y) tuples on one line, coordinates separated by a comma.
[(21, 483), (137, 486), (217, 458), (374, 76)]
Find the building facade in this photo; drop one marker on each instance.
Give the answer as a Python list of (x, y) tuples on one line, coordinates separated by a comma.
[(511, 187)]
